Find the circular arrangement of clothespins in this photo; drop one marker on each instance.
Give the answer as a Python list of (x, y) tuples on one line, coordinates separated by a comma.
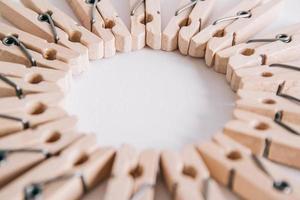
[(42, 154)]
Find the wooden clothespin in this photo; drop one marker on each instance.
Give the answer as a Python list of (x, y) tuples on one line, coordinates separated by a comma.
[(268, 77), (282, 34), (133, 174), (265, 137), (233, 165), (20, 47), (187, 177), (237, 26), (145, 24), (281, 51), (18, 80), (189, 19), (100, 17), (281, 107), (59, 27), (67, 176), (43, 26), (23, 150)]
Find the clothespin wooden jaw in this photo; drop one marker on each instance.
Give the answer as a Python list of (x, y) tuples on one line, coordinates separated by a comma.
[(265, 137), (23, 150), (234, 166), (222, 57), (133, 174), (188, 20), (199, 41), (75, 33), (185, 174), (243, 28), (145, 24), (81, 166)]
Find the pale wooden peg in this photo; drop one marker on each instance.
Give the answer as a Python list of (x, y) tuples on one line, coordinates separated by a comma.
[(275, 52), (200, 40), (232, 165), (133, 174), (23, 150), (75, 32), (18, 80), (222, 57), (15, 104), (269, 104), (153, 24), (116, 25), (81, 166), (138, 24), (196, 22), (242, 29), (185, 174), (29, 117), (45, 55), (38, 24), (264, 137), (96, 24)]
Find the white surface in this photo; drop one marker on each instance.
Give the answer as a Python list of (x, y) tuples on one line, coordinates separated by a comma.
[(154, 98)]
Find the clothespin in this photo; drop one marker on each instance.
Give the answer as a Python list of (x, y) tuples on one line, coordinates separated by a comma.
[(17, 80), (265, 137), (15, 104), (48, 22), (237, 26), (233, 165), (281, 107), (100, 17), (23, 150), (23, 48), (189, 19), (145, 24), (67, 176), (280, 51), (133, 174), (43, 26), (281, 34), (187, 176), (268, 77)]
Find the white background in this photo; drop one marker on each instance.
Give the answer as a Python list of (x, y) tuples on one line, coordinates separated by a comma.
[(153, 98)]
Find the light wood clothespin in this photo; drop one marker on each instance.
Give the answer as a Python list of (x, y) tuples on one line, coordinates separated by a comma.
[(145, 24), (186, 175), (233, 165), (99, 16), (18, 80), (43, 26), (67, 176), (282, 34), (265, 137), (34, 51), (279, 106), (268, 77), (69, 32), (133, 174), (23, 150), (189, 19), (280, 51)]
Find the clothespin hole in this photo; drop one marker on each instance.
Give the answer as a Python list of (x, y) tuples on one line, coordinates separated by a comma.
[(50, 54), (267, 74), (234, 155), (137, 172), (33, 191), (189, 171), (261, 126), (282, 186), (75, 36), (83, 158), (90, 1), (248, 52), (184, 22), (36, 109), (2, 157), (54, 137), (269, 101), (219, 34), (147, 19), (34, 78), (8, 41), (109, 24)]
